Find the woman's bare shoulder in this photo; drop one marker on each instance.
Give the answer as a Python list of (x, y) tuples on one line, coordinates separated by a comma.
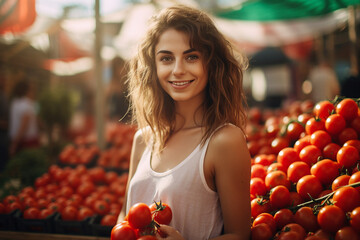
[(228, 136)]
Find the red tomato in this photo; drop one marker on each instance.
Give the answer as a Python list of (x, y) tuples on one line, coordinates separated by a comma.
[(258, 170), (310, 154), (294, 227), (331, 218), (101, 207), (323, 234), (297, 170), (276, 178), (294, 130), (325, 170), (347, 134), (304, 117), (108, 220), (10, 199), (355, 219), (69, 213), (301, 143), (354, 178), (347, 108), (320, 138), (86, 188), (346, 198), (354, 143), (44, 213), (275, 166), (309, 186), (335, 123), (287, 156), (266, 218), (314, 124), (13, 206), (279, 143), (261, 231), (323, 109), (330, 151), (85, 212), (355, 124), (259, 205), (340, 181), (347, 233), (307, 219), (263, 159), (283, 217), (123, 231), (295, 199), (43, 203), (279, 197), (56, 207), (347, 156), (29, 190), (147, 237), (139, 215), (31, 213), (162, 212), (257, 187)]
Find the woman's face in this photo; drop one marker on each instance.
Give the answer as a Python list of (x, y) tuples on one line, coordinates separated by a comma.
[(180, 69)]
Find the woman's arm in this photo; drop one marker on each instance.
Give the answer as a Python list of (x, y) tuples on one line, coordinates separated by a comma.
[(229, 156), (137, 150)]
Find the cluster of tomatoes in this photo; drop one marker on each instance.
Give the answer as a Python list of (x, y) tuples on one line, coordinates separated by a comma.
[(305, 178), (142, 222), (75, 193), (85, 151)]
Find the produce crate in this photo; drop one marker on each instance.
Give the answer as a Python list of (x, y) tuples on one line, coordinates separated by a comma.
[(97, 229), (46, 225), (72, 227), (8, 221)]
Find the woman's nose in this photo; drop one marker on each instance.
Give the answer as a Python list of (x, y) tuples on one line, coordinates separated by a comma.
[(179, 68)]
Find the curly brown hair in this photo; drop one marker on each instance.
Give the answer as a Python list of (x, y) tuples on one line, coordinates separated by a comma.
[(225, 99)]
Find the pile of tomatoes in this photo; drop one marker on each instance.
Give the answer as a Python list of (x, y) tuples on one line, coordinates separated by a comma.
[(142, 222), (305, 178), (74, 193), (85, 151)]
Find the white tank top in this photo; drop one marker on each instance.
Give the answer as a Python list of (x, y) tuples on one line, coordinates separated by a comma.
[(196, 208)]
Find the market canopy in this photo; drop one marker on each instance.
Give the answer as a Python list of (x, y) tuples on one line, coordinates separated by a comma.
[(274, 10)]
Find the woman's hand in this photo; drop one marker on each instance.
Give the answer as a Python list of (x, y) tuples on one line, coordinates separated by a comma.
[(168, 233)]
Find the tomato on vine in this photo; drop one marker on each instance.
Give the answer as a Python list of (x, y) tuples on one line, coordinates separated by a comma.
[(139, 215), (162, 212), (347, 198)]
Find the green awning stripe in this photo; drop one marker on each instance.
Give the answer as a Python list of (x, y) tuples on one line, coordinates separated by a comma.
[(271, 10)]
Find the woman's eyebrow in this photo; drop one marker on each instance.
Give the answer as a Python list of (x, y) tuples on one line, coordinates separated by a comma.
[(169, 52)]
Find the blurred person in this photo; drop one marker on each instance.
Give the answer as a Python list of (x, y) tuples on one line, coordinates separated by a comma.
[(4, 123), (116, 93), (325, 84), (24, 130), (190, 150)]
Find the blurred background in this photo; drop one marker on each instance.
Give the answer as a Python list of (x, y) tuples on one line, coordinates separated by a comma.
[(71, 54)]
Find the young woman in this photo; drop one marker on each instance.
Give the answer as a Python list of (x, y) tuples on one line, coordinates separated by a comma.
[(190, 150)]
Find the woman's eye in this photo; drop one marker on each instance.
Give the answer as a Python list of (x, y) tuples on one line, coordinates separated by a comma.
[(192, 57), (165, 59)]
